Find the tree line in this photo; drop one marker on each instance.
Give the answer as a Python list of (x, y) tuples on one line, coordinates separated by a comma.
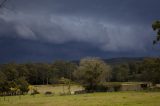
[(89, 72)]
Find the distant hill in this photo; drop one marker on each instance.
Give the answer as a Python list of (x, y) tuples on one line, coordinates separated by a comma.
[(123, 60)]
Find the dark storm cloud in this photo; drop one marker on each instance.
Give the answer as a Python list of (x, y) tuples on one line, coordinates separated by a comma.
[(20, 50), (142, 10), (108, 25)]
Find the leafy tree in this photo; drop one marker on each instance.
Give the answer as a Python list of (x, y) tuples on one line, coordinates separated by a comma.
[(32, 73), (66, 82), (62, 69), (10, 71), (6, 86), (2, 77), (43, 73), (156, 27), (151, 70), (91, 72), (134, 71), (23, 85), (121, 72), (22, 70)]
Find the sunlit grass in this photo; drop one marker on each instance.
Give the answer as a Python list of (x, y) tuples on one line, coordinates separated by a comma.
[(93, 99), (56, 89)]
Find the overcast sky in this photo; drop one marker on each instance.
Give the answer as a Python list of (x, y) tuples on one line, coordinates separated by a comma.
[(47, 30)]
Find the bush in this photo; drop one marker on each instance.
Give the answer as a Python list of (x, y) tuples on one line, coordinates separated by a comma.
[(62, 94), (48, 93), (35, 91), (22, 85), (117, 87), (153, 89), (101, 88), (80, 92)]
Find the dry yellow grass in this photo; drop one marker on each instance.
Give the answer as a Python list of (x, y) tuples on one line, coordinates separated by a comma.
[(56, 88)]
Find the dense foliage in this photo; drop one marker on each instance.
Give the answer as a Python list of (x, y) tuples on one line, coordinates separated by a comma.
[(15, 78), (91, 72)]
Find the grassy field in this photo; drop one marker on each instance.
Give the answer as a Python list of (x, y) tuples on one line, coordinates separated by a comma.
[(94, 99)]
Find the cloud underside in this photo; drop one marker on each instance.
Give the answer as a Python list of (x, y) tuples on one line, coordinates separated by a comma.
[(60, 29)]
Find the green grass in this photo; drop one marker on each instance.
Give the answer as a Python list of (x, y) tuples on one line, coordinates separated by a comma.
[(94, 99)]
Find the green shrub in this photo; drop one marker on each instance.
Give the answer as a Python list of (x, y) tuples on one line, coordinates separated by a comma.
[(48, 93), (62, 94), (117, 87), (153, 89), (101, 88), (35, 91)]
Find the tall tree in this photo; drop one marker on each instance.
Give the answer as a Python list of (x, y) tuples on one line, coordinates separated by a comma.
[(62, 69), (10, 71), (151, 70), (2, 77), (91, 72), (121, 72)]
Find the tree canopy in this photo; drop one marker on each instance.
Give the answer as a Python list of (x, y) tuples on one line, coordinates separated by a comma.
[(91, 72)]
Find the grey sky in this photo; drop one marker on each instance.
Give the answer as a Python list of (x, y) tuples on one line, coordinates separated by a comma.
[(108, 25)]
